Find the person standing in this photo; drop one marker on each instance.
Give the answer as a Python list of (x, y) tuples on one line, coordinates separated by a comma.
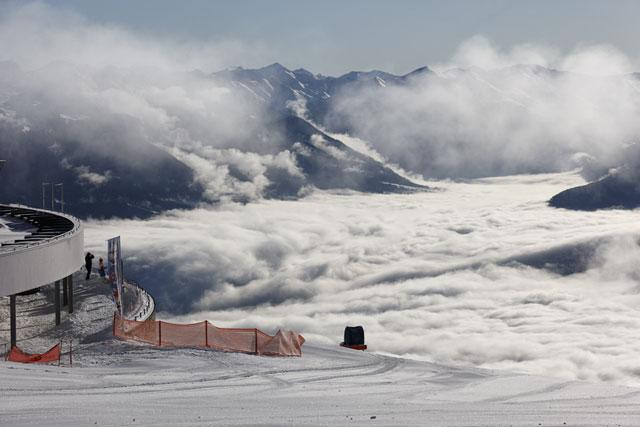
[(88, 261), (101, 271)]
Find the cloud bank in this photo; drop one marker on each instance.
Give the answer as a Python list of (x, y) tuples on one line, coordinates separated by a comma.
[(482, 274), (117, 94), (489, 112)]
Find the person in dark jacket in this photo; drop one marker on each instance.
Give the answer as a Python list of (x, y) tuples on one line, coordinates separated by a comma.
[(88, 260)]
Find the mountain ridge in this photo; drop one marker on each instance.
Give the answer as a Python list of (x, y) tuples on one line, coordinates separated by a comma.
[(109, 159)]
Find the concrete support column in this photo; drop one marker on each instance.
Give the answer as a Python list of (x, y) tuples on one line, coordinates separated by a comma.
[(57, 301), (65, 292), (70, 287), (12, 315)]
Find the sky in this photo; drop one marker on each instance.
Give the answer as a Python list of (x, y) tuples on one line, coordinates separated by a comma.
[(333, 37)]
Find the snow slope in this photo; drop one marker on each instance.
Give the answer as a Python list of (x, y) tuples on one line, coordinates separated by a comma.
[(122, 384), (118, 383)]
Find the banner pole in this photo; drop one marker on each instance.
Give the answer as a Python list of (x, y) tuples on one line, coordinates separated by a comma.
[(159, 333)]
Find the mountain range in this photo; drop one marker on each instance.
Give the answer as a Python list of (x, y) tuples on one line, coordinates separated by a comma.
[(115, 164), (42, 142), (278, 87)]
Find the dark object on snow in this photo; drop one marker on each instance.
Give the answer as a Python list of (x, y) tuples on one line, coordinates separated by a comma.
[(354, 338), (88, 261)]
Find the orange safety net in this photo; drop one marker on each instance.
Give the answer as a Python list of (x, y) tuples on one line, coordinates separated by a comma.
[(51, 355), (204, 334)]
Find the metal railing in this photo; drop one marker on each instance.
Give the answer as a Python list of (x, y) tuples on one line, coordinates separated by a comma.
[(148, 308)]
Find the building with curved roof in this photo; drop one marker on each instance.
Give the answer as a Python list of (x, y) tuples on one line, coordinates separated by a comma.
[(38, 247)]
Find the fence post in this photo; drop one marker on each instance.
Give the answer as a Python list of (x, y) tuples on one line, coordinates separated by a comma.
[(65, 291), (70, 352), (159, 333), (255, 332), (206, 333), (56, 300), (70, 289), (60, 352), (114, 324)]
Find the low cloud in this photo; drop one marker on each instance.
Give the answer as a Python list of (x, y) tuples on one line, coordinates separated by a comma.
[(85, 175), (492, 112), (397, 264), (238, 176), (114, 95)]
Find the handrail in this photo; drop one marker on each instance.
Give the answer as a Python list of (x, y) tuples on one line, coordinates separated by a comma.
[(149, 308)]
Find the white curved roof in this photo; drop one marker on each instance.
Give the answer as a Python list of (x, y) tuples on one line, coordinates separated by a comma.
[(48, 254)]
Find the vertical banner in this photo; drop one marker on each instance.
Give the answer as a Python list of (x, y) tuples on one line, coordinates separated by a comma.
[(114, 265)]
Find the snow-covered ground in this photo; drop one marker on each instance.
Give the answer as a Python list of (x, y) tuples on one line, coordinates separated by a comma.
[(122, 384), (35, 316), (118, 383)]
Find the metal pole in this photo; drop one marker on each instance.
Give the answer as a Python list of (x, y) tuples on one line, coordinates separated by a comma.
[(61, 201), (70, 288), (12, 315), (52, 190), (57, 301), (65, 293), (44, 191)]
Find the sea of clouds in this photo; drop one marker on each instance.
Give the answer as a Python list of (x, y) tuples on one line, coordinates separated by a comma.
[(482, 273)]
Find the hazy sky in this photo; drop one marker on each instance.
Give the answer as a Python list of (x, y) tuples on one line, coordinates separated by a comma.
[(332, 36)]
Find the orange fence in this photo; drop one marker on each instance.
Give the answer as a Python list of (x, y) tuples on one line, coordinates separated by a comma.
[(51, 355), (204, 334)]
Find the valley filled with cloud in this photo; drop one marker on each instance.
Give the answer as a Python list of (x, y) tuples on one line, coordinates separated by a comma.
[(481, 273)]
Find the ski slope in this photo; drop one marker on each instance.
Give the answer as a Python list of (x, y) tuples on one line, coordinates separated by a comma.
[(123, 384), (119, 383)]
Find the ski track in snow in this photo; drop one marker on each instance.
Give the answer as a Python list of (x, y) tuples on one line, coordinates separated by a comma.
[(119, 383)]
